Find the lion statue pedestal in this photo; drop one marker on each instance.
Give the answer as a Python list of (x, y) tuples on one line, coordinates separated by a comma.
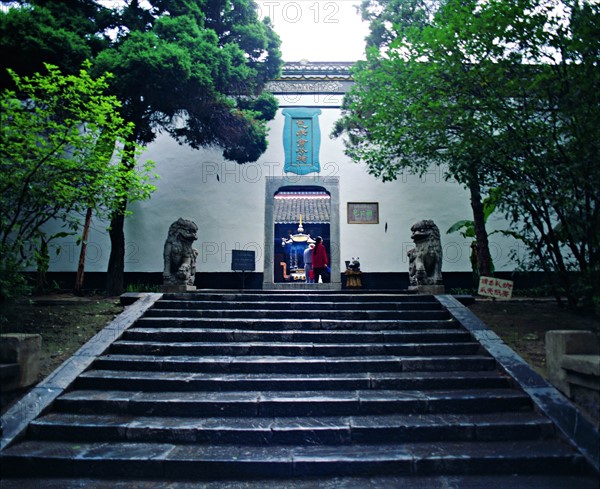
[(425, 259), (180, 258)]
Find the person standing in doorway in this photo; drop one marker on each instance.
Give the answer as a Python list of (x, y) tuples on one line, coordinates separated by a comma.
[(308, 268), (319, 259)]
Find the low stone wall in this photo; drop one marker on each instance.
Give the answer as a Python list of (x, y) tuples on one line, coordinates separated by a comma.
[(573, 365), (19, 360)]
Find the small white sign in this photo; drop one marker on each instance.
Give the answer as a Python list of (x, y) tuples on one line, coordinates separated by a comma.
[(495, 287)]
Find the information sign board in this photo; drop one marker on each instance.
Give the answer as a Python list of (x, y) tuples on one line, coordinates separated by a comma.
[(495, 287), (243, 260)]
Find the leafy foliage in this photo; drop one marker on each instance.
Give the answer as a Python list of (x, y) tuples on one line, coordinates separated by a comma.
[(506, 94), (192, 68), (387, 18), (408, 109), (59, 155), (195, 69), (466, 227), (63, 34)]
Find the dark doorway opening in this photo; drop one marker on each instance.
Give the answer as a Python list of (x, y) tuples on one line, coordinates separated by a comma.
[(300, 214)]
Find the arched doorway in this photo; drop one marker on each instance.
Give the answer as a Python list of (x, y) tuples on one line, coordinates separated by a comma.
[(297, 211), (300, 214)]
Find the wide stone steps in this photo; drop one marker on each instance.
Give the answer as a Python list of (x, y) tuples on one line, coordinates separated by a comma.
[(286, 364), (292, 324), (270, 390), (301, 306), (308, 481), (317, 336), (187, 381), (170, 461), (292, 403), (293, 430), (291, 349), (352, 314), (300, 296)]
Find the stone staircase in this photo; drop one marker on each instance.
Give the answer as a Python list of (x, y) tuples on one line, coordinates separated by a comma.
[(294, 390)]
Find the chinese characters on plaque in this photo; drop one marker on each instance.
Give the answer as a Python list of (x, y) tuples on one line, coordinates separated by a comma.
[(495, 287), (363, 213), (301, 140)]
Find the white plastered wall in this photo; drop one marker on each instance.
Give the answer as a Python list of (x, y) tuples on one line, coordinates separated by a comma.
[(227, 200)]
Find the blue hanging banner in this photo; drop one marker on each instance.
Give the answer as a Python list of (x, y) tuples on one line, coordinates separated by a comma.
[(301, 140)]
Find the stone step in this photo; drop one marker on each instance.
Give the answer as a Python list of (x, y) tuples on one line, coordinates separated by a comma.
[(285, 364), (174, 334), (201, 462), (186, 381), (293, 431), (287, 324), (301, 306), (292, 297), (307, 481), (275, 389), (291, 403), (291, 349), (353, 314)]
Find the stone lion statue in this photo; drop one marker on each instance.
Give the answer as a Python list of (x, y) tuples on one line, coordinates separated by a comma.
[(425, 259), (179, 256)]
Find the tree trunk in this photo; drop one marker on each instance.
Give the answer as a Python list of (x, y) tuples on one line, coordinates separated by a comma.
[(484, 259), (115, 276), (81, 267), (43, 263)]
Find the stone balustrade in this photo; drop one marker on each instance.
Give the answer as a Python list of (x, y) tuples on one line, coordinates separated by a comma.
[(19, 360), (573, 365)]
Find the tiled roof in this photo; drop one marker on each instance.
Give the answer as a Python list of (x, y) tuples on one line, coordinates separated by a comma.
[(314, 208), (306, 70)]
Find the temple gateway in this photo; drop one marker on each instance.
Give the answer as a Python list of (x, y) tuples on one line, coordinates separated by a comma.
[(302, 187)]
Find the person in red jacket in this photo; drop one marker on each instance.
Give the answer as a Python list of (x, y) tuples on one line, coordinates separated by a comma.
[(319, 259)]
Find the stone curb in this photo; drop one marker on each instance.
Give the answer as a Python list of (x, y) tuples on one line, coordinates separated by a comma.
[(15, 421), (568, 419)]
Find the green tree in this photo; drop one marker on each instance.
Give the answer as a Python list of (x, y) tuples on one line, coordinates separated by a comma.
[(466, 228), (489, 90), (64, 34), (387, 18), (553, 146), (196, 70), (192, 68), (426, 107), (59, 155)]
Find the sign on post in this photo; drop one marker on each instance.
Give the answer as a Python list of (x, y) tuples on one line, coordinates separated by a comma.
[(495, 287), (242, 260)]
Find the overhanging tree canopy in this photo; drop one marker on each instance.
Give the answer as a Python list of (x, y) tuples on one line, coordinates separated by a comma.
[(59, 145), (192, 68), (196, 70), (505, 93)]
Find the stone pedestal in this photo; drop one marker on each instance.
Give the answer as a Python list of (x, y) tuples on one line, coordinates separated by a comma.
[(353, 279), (22, 350), (428, 289), (178, 288)]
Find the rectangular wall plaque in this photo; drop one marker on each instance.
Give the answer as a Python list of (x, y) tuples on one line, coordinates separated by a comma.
[(243, 260), (301, 140), (363, 213)]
